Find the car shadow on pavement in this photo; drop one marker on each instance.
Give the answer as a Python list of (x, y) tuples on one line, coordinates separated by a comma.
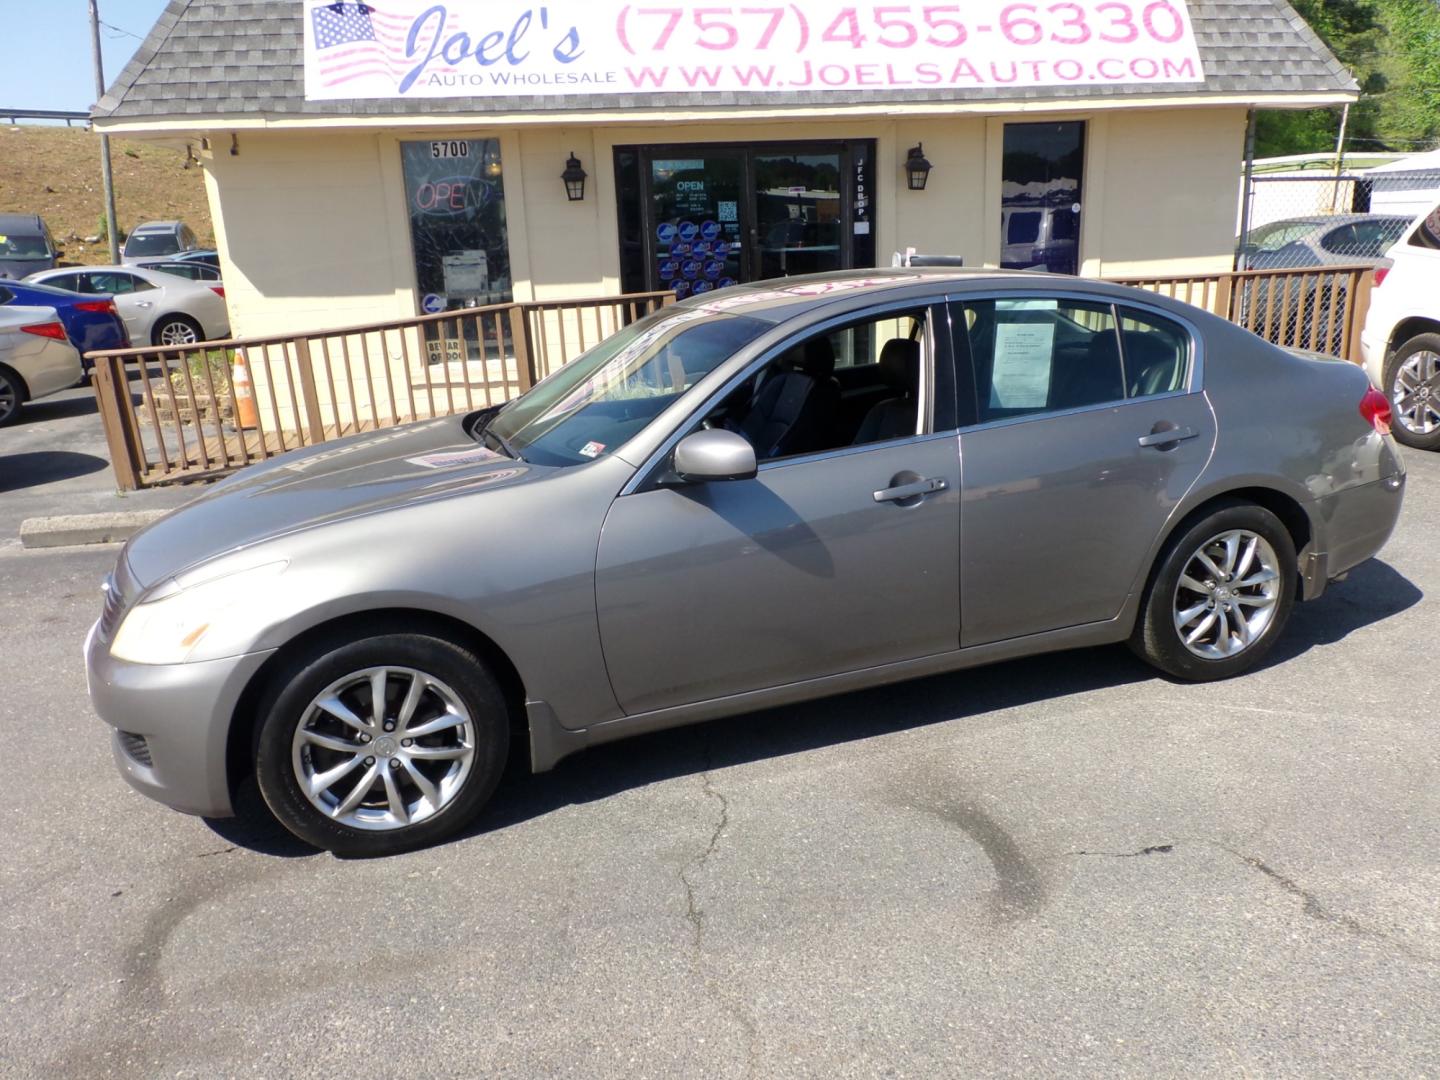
[(59, 408), (45, 467), (1374, 591)]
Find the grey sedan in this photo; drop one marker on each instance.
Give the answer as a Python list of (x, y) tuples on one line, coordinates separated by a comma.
[(757, 496)]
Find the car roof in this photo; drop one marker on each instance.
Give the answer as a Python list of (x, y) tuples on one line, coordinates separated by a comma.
[(18, 223), (155, 226), (42, 288), (781, 299)]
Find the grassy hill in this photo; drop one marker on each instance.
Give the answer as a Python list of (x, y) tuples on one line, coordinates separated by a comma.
[(55, 172)]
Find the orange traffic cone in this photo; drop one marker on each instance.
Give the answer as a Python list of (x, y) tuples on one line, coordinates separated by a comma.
[(246, 415)]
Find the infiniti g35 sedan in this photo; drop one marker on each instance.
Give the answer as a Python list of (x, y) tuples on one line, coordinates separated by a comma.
[(752, 497)]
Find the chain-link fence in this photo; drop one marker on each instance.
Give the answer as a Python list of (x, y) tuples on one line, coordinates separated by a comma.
[(1313, 219), (1320, 228)]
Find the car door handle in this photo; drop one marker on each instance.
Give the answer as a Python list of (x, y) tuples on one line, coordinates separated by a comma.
[(144, 303), (910, 490), (1168, 436)]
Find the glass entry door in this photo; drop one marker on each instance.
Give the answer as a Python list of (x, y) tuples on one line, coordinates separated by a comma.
[(701, 217), (798, 216), (1040, 197)]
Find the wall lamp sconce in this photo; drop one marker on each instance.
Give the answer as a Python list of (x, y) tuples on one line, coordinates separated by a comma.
[(234, 145), (574, 177), (917, 168), (491, 163)]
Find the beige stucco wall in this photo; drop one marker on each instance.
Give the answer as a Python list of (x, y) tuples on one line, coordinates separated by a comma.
[(313, 231)]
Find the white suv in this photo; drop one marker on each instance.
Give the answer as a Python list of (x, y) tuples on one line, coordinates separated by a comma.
[(1401, 337)]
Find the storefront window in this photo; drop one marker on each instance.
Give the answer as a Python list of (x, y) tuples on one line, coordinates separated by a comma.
[(457, 223)]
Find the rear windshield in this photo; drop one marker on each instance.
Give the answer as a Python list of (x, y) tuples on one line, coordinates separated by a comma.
[(1428, 234), (152, 244), (23, 247)]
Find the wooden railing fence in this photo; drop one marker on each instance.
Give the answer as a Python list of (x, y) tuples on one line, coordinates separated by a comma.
[(198, 411)]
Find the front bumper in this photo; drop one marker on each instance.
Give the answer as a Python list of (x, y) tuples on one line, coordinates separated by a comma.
[(172, 723)]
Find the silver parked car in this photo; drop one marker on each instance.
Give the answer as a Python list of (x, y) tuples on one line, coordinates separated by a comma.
[(36, 358), (1322, 240), (158, 239), (158, 308), (756, 496)]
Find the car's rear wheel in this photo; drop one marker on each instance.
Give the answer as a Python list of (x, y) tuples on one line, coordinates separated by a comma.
[(175, 330), (1220, 595), (1412, 383), (381, 745), (12, 395)]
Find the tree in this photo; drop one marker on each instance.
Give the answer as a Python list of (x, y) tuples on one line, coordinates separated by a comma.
[(1393, 49)]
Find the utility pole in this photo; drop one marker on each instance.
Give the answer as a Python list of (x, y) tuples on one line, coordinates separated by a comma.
[(105, 172)]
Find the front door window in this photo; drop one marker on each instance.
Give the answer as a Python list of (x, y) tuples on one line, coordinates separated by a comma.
[(1040, 197)]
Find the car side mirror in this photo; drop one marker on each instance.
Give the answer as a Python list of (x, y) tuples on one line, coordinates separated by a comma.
[(714, 454)]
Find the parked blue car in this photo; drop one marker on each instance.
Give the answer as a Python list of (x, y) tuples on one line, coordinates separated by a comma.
[(91, 322)]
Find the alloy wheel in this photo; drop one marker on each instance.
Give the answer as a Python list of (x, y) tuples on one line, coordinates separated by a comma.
[(1415, 393), (9, 398), (178, 333), (1227, 594), (383, 748)]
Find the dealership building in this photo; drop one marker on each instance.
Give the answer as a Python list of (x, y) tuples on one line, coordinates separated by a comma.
[(371, 162)]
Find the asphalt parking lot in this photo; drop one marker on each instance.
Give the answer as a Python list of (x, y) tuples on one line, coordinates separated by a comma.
[(1057, 866)]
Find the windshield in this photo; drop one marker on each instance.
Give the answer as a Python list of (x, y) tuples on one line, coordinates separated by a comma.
[(596, 403), (23, 247), (152, 244), (1274, 237)]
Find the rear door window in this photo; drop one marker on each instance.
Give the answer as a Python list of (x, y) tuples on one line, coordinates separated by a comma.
[(1033, 355), (1038, 355)]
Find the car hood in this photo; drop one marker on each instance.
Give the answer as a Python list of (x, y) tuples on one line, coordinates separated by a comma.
[(363, 474)]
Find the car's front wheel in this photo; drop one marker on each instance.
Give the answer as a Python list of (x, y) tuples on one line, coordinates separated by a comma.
[(381, 745), (1220, 595), (1412, 383)]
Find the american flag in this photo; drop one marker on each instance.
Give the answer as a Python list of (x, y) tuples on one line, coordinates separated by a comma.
[(354, 39)]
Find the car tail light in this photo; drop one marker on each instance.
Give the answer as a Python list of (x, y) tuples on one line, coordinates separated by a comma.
[(104, 307), (1375, 408), (1381, 273), (218, 290), (46, 329)]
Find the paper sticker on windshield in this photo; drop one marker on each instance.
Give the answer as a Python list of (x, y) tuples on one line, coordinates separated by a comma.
[(592, 449), (478, 456)]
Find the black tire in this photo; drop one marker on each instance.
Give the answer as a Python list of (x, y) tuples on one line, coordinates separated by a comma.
[(288, 704), (1420, 440), (1156, 638), (157, 332), (12, 396)]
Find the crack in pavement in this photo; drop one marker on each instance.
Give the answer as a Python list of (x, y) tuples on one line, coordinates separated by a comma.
[(695, 915), (1153, 849), (1315, 908), (693, 911), (1312, 905)]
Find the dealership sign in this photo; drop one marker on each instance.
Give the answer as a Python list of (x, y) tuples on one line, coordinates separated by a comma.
[(510, 48)]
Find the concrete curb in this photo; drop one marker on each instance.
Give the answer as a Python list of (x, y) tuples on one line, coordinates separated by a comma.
[(68, 530)]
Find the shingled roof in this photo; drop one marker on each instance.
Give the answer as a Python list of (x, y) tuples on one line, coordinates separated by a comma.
[(244, 58)]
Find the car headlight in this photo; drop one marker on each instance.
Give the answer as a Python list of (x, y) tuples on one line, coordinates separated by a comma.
[(169, 628)]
